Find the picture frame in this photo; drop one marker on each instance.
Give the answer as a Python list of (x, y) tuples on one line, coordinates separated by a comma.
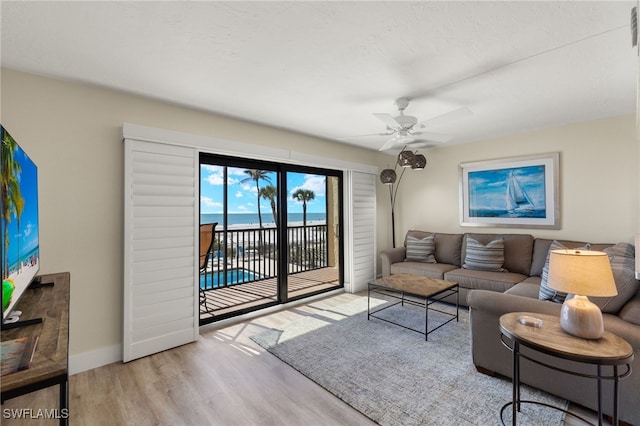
[(515, 192)]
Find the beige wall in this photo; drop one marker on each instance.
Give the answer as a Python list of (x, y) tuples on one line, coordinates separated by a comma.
[(73, 133), (599, 177)]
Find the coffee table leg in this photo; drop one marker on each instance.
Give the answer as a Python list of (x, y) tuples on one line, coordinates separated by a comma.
[(426, 319), (368, 302), (457, 302)]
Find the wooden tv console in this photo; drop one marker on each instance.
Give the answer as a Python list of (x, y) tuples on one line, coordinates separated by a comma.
[(50, 365)]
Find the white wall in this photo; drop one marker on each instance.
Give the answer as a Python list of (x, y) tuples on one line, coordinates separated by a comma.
[(599, 177), (73, 133)]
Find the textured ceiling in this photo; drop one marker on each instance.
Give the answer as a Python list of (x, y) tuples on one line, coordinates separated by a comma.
[(323, 68)]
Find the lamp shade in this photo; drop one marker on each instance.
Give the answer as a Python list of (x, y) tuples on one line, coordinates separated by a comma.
[(581, 272), (388, 176), (406, 158), (419, 162)]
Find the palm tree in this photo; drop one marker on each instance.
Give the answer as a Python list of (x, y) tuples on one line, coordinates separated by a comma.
[(256, 176), (303, 196), (270, 193)]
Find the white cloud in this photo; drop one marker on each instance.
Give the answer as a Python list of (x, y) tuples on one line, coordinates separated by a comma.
[(216, 175), (208, 202), (239, 194), (28, 229), (315, 183)]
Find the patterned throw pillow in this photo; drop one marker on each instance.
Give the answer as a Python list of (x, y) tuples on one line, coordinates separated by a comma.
[(421, 249), (622, 259), (482, 257), (546, 292)]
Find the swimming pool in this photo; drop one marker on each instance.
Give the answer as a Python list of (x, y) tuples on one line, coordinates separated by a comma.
[(234, 276)]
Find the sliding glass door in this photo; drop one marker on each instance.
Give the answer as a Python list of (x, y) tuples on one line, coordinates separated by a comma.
[(270, 233), (313, 222)]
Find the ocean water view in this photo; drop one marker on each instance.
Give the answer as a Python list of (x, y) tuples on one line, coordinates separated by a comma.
[(251, 219)]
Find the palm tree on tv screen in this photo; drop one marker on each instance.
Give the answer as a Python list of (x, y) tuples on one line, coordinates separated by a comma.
[(12, 201)]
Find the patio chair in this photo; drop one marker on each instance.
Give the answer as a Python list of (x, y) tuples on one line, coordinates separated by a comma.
[(207, 233)]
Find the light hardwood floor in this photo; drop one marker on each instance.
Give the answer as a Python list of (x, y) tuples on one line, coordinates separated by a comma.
[(223, 379)]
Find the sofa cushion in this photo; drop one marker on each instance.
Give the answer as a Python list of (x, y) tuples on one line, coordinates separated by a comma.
[(631, 310), (546, 292), (526, 288), (420, 249), (518, 249), (622, 259), (449, 248), (431, 270), (484, 257), (485, 280)]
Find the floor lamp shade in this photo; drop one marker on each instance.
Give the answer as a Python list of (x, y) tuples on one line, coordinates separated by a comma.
[(388, 176), (406, 158), (582, 273)]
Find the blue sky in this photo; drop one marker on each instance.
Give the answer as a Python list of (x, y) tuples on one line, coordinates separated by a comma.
[(242, 197)]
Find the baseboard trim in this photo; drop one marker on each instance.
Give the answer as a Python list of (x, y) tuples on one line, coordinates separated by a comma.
[(94, 359)]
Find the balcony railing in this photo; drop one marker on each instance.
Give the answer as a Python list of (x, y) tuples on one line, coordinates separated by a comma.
[(251, 254)]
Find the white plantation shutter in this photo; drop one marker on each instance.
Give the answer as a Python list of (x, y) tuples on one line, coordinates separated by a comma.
[(160, 242), (362, 214)]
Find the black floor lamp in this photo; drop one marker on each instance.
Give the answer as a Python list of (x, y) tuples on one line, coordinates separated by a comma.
[(406, 159)]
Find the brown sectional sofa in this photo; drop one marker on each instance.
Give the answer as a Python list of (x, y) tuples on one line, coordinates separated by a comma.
[(490, 294)]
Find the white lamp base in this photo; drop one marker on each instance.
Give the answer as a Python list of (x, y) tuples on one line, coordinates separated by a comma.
[(581, 318)]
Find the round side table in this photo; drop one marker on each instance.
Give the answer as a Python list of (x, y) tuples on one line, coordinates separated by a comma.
[(549, 338)]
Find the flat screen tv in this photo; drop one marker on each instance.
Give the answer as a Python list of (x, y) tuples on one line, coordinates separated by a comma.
[(20, 246)]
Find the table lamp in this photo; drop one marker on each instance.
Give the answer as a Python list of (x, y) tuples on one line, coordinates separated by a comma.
[(582, 273)]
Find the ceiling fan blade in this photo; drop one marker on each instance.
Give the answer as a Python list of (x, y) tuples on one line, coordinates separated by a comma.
[(435, 137), (388, 120), (367, 135), (420, 143), (443, 118), (388, 144)]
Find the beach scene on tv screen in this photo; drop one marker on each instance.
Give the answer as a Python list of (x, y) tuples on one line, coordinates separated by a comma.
[(20, 243)]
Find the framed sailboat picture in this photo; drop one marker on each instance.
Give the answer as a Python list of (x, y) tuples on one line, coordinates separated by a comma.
[(516, 192)]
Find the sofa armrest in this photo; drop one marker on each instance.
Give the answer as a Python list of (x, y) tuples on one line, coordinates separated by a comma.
[(485, 309), (390, 256)]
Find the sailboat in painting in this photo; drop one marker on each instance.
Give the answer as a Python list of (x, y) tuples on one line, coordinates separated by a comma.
[(517, 199)]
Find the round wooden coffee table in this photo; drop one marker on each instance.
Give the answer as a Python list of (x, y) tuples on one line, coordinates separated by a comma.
[(549, 338)]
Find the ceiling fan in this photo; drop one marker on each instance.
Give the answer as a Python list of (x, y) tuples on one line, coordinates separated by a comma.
[(405, 129)]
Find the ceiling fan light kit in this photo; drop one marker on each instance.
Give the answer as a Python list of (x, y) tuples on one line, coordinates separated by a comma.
[(404, 129)]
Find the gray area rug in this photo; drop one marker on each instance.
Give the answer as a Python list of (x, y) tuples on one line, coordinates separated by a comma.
[(395, 377)]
